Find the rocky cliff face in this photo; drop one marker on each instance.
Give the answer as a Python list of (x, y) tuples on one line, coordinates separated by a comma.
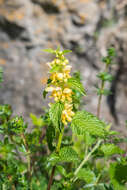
[(87, 27)]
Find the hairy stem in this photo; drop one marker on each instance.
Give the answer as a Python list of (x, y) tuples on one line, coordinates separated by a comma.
[(54, 167)]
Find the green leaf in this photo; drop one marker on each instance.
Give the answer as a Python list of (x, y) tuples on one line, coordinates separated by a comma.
[(50, 50), (111, 52), (55, 114), (76, 85), (53, 158), (50, 134), (118, 175), (104, 76), (37, 121), (61, 170), (84, 121), (16, 125), (5, 112), (89, 140), (66, 51), (44, 94), (106, 60), (49, 81), (111, 149), (67, 154), (87, 175), (55, 68)]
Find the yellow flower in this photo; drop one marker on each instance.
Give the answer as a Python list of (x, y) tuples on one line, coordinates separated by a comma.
[(49, 89), (67, 113), (59, 89)]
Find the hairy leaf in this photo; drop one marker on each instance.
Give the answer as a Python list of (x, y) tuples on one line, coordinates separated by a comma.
[(55, 114), (84, 121), (87, 175), (76, 85), (67, 154), (110, 149)]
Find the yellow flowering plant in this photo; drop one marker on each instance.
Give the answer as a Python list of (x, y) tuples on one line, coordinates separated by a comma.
[(58, 86), (68, 148), (63, 88)]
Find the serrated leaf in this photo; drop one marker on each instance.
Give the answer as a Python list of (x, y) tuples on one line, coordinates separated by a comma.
[(53, 158), (118, 175), (76, 85), (84, 121), (87, 175), (55, 114), (111, 149), (68, 154)]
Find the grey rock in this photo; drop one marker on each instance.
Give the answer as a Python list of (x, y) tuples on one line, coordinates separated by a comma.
[(86, 27)]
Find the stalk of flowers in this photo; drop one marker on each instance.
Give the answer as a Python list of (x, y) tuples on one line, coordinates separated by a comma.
[(60, 91)]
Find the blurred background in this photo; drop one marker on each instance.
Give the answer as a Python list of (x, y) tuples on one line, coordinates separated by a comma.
[(87, 27)]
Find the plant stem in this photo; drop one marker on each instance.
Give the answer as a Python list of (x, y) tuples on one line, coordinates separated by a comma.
[(100, 96), (99, 100), (28, 159), (54, 167), (87, 157)]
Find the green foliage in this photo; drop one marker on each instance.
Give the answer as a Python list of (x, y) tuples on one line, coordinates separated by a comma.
[(104, 92), (118, 175), (104, 76), (37, 121), (57, 52), (67, 154), (84, 121), (16, 125), (5, 112), (50, 134), (111, 149), (87, 175), (76, 85), (55, 68), (55, 112), (108, 60), (81, 155)]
